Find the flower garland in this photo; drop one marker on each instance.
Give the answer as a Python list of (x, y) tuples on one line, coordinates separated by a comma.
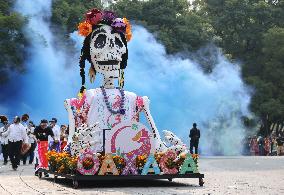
[(88, 164), (96, 17), (61, 162)]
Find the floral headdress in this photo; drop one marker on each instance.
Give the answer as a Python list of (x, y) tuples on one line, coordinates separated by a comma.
[(96, 17)]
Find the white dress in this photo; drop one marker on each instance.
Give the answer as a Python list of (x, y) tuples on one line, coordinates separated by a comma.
[(99, 112), (92, 109)]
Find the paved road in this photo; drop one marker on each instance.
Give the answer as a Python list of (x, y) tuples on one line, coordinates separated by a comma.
[(223, 175)]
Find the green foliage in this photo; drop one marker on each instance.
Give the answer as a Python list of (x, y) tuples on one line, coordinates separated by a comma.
[(252, 31), (12, 41), (273, 70), (177, 26), (66, 14)]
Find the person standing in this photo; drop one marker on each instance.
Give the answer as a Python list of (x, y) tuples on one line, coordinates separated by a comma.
[(267, 145), (280, 144), (260, 142), (32, 141), (56, 132), (63, 138), (16, 136), (4, 139), (24, 122), (25, 119), (41, 133), (194, 138), (273, 147)]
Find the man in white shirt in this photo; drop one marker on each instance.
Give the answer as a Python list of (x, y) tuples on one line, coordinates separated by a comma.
[(4, 139), (56, 132), (16, 136)]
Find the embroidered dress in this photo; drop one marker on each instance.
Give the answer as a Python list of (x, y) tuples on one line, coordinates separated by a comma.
[(94, 107), (99, 112)]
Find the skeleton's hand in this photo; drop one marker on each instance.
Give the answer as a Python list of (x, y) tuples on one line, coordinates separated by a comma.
[(92, 74)]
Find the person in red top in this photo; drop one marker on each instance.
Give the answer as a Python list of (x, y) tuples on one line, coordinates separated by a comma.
[(267, 144), (254, 146), (63, 138)]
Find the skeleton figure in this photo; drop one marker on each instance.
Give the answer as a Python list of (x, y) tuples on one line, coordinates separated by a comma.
[(107, 52)]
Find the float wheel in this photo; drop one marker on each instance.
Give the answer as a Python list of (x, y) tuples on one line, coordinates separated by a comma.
[(39, 175), (75, 184), (201, 182), (55, 178), (170, 179)]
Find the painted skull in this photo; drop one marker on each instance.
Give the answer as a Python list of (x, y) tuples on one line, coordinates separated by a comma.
[(106, 50)]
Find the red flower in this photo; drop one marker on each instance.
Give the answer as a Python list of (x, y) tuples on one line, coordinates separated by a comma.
[(94, 16)]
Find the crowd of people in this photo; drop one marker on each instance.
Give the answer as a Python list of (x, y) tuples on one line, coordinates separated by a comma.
[(265, 146), (22, 140)]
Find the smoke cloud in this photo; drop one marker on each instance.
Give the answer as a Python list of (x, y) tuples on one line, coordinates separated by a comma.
[(179, 90)]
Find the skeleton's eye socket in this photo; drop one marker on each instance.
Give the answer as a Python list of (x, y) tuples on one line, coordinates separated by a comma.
[(118, 42), (100, 41)]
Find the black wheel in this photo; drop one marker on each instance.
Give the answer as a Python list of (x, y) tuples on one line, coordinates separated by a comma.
[(75, 184), (201, 182), (55, 178), (39, 174), (170, 179)]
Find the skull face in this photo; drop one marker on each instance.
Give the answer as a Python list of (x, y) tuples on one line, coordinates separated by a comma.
[(106, 50)]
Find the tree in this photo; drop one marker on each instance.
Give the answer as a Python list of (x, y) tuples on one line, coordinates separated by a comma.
[(251, 31), (12, 41), (66, 14), (177, 26)]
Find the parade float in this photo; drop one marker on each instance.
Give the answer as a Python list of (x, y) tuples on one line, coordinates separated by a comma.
[(106, 138)]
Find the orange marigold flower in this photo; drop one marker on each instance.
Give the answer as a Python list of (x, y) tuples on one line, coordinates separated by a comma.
[(84, 28), (128, 33)]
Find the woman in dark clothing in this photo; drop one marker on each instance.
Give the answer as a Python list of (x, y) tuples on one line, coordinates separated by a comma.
[(41, 133)]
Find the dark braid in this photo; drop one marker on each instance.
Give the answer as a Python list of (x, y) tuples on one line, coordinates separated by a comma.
[(123, 63), (85, 55)]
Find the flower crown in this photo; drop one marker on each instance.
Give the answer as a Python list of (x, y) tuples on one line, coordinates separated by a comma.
[(96, 17)]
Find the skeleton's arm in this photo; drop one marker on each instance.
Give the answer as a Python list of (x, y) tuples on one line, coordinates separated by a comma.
[(159, 145), (70, 118)]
